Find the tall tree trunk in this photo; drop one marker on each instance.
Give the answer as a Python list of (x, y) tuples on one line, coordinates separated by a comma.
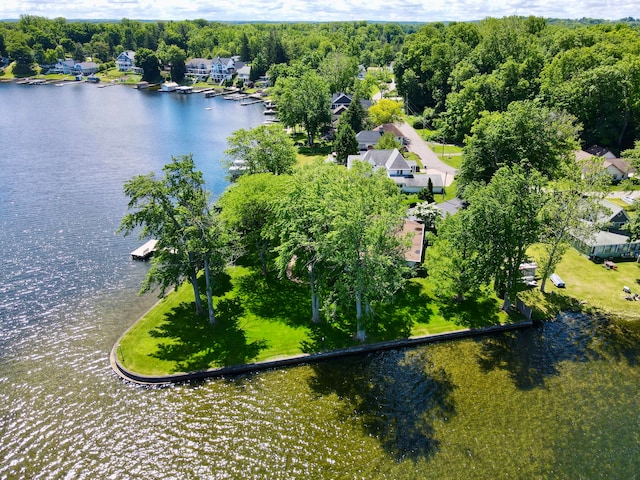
[(361, 333), (193, 278), (359, 305), (315, 302), (263, 259), (209, 288)]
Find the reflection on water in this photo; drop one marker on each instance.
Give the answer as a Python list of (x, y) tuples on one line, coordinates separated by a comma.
[(555, 401)]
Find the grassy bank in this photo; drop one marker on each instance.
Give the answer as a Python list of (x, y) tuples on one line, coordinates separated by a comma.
[(262, 318), (266, 318), (589, 287)]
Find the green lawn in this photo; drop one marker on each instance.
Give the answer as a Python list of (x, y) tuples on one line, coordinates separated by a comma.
[(256, 320), (262, 318), (593, 286)]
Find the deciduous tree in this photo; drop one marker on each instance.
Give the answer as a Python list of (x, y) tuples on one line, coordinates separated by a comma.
[(264, 149), (527, 134), (385, 111), (174, 209), (503, 217), (249, 208)]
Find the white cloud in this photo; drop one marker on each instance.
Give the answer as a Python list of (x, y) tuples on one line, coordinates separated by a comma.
[(313, 10)]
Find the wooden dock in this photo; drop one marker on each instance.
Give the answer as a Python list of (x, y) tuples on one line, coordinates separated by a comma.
[(145, 252)]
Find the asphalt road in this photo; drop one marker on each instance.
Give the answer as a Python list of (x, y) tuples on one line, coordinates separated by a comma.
[(429, 159)]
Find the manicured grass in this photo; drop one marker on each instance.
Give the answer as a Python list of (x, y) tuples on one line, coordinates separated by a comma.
[(590, 285), (450, 193), (306, 159), (260, 318), (447, 150), (256, 319)]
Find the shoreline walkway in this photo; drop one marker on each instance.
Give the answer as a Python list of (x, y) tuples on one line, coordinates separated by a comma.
[(141, 379)]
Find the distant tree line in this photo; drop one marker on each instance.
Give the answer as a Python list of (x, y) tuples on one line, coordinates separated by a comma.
[(44, 41), (450, 74)]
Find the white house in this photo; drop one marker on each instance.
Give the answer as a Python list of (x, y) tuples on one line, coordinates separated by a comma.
[(198, 68), (126, 62), (616, 168), (244, 73), (399, 170), (223, 69)]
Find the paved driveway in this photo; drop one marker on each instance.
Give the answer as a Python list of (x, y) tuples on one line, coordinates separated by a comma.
[(429, 159)]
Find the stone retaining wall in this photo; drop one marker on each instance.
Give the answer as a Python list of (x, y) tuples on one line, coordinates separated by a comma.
[(304, 358)]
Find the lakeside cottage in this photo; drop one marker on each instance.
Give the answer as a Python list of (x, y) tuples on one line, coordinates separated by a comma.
[(611, 241)]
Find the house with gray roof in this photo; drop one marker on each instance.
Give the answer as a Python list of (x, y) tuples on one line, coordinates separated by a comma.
[(198, 68), (606, 244), (367, 139), (399, 170), (126, 62), (223, 69), (611, 241)]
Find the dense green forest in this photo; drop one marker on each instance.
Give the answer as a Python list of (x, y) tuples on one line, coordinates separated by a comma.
[(447, 74)]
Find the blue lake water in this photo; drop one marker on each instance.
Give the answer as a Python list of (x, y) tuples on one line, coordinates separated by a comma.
[(556, 401)]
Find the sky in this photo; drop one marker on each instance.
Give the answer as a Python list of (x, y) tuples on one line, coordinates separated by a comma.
[(315, 10)]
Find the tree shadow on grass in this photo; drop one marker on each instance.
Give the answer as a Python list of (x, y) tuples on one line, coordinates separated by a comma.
[(394, 320), (194, 344), (473, 312), (397, 397), (221, 284), (325, 336), (275, 299)]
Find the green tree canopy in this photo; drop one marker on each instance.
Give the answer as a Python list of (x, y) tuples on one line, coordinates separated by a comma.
[(304, 101), (248, 207), (503, 217), (148, 61), (527, 134), (264, 149), (385, 111), (345, 143), (174, 209)]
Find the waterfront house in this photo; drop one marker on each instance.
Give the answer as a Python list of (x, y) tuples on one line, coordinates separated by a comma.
[(126, 62), (606, 244), (86, 68), (64, 66), (223, 69), (244, 73), (198, 69), (611, 240)]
